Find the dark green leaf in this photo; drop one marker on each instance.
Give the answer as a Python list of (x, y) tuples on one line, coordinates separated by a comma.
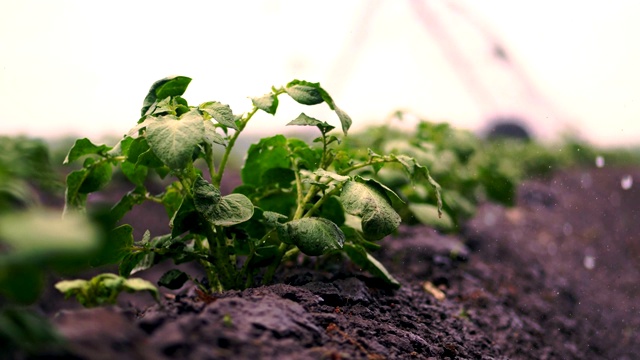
[(271, 152), (365, 199), (136, 174), (98, 176), (173, 141), (74, 200), (313, 236), (267, 103), (205, 196), (281, 177), (169, 86), (332, 210), (173, 279), (304, 92), (362, 258), (221, 113), (84, 147), (304, 120), (118, 244), (126, 203)]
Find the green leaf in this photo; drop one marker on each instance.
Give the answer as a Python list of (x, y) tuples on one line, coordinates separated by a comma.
[(205, 196), (43, 236), (304, 120), (21, 283), (281, 177), (362, 258), (345, 120), (169, 86), (229, 210), (304, 92), (332, 210), (136, 174), (97, 177), (137, 284), (173, 141), (211, 136), (173, 279), (428, 215), (74, 199), (118, 244), (232, 209), (268, 153), (267, 103), (418, 172), (371, 203), (84, 147), (221, 113), (186, 219), (126, 203), (313, 236)]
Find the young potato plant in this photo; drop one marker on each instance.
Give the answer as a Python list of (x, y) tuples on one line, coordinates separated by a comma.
[(296, 197), (455, 157)]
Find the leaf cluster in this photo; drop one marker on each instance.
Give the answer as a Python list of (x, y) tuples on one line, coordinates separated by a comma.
[(296, 197)]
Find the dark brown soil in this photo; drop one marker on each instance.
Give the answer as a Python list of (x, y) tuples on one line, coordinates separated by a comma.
[(556, 277)]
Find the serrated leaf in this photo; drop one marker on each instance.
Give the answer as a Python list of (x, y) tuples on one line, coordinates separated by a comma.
[(304, 92), (313, 236), (362, 258), (173, 141), (267, 103), (169, 86), (304, 120), (374, 207), (84, 147), (221, 113), (173, 279)]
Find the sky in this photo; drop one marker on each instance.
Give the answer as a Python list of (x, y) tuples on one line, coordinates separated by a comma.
[(72, 67)]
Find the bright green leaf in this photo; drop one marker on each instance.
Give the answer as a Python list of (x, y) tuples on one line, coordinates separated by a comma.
[(221, 113), (169, 86), (304, 92), (173, 141), (84, 147), (304, 120), (271, 152), (428, 215), (267, 103)]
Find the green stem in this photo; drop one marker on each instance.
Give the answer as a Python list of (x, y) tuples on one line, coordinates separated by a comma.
[(225, 157), (365, 164), (324, 198)]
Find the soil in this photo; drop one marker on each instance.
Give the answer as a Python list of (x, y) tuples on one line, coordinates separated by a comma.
[(555, 277)]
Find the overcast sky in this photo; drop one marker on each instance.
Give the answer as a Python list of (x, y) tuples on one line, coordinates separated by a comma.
[(83, 68)]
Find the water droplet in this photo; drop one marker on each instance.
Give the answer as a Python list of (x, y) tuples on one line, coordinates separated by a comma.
[(599, 161), (589, 262), (626, 182)]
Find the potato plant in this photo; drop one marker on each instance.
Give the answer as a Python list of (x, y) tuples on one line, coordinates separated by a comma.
[(296, 197)]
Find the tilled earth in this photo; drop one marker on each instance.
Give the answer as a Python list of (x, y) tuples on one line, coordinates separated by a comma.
[(555, 277)]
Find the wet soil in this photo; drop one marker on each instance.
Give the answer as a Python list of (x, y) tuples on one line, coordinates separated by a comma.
[(555, 277)]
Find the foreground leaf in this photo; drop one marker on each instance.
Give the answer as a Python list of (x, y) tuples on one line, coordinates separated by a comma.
[(173, 141), (313, 236), (373, 206)]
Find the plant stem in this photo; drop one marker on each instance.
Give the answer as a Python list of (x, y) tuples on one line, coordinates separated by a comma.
[(225, 157)]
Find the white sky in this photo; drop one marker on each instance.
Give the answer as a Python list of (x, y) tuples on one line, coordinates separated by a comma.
[(84, 67)]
